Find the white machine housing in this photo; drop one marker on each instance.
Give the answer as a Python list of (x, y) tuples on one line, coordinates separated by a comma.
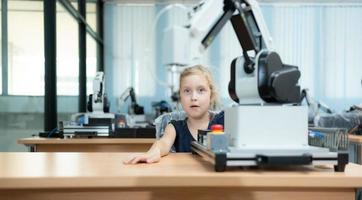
[(267, 127)]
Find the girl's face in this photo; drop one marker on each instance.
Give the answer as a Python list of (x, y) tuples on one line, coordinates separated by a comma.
[(195, 95)]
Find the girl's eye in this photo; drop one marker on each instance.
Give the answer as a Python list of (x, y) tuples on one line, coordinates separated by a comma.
[(201, 90), (187, 91)]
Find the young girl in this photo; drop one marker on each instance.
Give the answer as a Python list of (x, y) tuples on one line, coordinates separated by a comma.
[(197, 95)]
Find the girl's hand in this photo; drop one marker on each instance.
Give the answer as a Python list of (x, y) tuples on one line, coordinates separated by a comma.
[(151, 156)]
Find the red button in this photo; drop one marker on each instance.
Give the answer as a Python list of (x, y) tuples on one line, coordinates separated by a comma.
[(217, 128)]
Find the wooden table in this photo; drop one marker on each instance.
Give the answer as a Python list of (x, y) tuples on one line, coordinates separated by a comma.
[(357, 140), (37, 144), (75, 176)]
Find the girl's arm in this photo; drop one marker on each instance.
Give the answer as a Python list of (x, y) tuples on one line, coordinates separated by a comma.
[(160, 148)]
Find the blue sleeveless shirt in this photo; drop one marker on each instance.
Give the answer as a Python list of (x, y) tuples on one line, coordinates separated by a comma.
[(183, 135)]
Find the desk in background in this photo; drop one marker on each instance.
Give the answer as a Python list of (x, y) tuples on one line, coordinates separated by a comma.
[(76, 176), (37, 144), (357, 141)]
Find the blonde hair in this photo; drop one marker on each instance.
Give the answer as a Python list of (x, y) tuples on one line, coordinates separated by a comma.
[(201, 70)]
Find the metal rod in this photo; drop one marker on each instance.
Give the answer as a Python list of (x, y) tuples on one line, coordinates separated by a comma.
[(100, 27), (50, 95), (82, 57)]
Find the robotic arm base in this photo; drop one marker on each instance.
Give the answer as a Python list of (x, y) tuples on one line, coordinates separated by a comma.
[(102, 106)]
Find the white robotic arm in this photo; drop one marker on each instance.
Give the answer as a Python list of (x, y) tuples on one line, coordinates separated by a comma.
[(259, 75), (98, 100), (134, 108)]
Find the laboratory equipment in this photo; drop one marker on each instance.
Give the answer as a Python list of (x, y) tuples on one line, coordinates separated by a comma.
[(269, 127)]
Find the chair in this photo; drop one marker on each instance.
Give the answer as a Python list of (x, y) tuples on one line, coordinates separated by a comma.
[(162, 121)]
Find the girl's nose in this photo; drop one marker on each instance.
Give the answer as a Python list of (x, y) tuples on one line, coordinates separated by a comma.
[(194, 96)]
